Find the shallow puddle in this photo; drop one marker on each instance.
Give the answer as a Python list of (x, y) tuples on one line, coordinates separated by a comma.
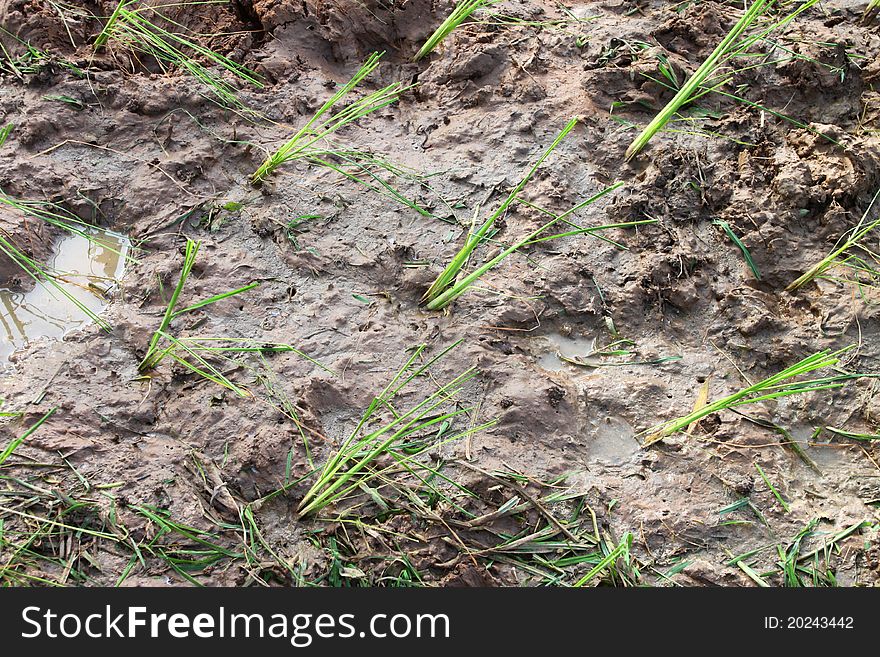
[(555, 345), (824, 453), (614, 442), (88, 269)]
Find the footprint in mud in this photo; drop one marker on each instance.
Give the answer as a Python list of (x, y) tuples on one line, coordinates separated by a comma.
[(553, 348), (613, 442), (87, 268)]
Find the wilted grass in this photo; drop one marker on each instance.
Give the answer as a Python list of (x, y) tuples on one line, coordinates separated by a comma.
[(462, 10), (781, 384), (371, 172), (303, 144), (137, 26), (712, 74), (846, 254), (31, 60)]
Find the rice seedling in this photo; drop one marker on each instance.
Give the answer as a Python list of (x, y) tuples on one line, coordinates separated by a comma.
[(138, 26), (742, 247), (193, 352), (452, 270), (850, 252), (450, 284), (463, 9), (318, 127), (409, 434), (713, 73), (781, 384), (4, 133), (458, 287), (12, 446)]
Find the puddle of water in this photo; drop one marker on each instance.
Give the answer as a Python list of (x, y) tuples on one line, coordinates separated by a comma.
[(556, 343), (89, 267), (614, 442), (826, 457)]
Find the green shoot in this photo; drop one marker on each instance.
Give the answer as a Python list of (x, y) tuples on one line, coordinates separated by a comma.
[(214, 299), (781, 384), (139, 28), (461, 286), (189, 259), (709, 76), (772, 488), (192, 353), (621, 551), (742, 247), (104, 36), (359, 460), (865, 437), (448, 276), (11, 447), (846, 244), (4, 133), (461, 12), (317, 128)]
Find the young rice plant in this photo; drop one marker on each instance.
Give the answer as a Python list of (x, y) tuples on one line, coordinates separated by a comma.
[(378, 447), (452, 283), (193, 352), (138, 27), (303, 144), (462, 11), (781, 384), (714, 72)]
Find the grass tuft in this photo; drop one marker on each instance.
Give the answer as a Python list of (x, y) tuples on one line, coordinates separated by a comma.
[(303, 144), (359, 461), (193, 352), (712, 74), (138, 27)]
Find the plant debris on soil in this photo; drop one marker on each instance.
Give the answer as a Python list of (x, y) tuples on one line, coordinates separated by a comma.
[(263, 397)]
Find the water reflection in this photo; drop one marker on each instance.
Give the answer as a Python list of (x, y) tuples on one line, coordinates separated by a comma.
[(88, 269)]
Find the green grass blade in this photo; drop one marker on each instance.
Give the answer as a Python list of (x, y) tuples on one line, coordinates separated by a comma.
[(11, 447)]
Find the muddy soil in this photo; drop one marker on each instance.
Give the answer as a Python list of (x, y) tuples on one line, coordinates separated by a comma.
[(144, 153)]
